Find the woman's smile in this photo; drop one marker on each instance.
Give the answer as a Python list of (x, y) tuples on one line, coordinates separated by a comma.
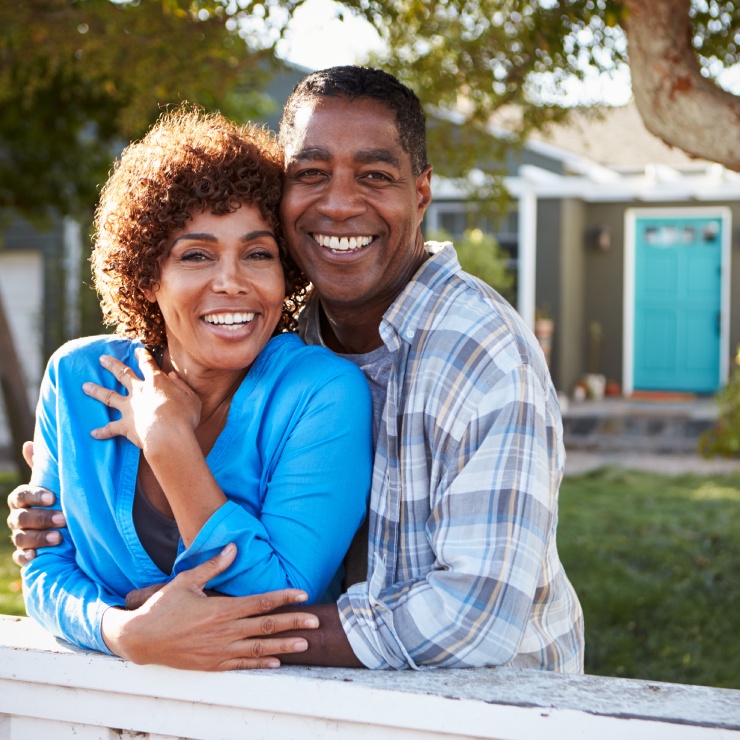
[(221, 290)]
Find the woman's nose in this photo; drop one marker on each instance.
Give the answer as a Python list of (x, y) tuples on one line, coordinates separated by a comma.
[(229, 279)]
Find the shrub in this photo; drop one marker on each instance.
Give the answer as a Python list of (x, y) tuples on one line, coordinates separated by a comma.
[(724, 439), (481, 255)]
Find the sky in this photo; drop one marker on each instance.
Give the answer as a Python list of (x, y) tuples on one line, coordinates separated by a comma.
[(317, 39)]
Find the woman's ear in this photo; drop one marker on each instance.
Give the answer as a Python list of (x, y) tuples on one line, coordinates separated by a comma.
[(151, 293)]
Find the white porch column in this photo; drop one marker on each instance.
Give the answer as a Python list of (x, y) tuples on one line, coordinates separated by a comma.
[(527, 266)]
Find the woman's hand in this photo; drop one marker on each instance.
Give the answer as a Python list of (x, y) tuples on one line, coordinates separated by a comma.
[(181, 627), (155, 408)]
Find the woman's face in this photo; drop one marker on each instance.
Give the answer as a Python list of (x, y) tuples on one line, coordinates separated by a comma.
[(220, 290)]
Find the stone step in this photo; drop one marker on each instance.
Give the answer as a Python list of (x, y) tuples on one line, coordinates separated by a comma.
[(624, 425)]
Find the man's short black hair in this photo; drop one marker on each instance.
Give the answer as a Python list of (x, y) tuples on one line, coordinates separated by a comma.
[(364, 82)]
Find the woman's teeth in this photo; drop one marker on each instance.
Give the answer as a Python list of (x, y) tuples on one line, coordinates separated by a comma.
[(231, 321)]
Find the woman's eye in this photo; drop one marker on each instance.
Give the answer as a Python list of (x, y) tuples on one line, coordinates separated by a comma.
[(193, 255), (261, 254)]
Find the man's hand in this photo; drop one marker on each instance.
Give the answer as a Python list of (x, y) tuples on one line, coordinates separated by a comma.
[(139, 596), (32, 528), (181, 627)]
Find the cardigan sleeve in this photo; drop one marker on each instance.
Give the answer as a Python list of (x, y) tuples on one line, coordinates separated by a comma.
[(58, 594), (316, 499)]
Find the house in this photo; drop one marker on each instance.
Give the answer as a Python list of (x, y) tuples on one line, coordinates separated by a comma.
[(620, 236), (610, 228)]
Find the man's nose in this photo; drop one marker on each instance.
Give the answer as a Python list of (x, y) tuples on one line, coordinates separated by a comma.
[(342, 198)]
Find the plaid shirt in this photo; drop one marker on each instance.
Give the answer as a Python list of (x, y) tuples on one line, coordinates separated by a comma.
[(463, 568)]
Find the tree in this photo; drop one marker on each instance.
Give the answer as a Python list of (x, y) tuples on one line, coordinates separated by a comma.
[(474, 57), (673, 48), (80, 78)]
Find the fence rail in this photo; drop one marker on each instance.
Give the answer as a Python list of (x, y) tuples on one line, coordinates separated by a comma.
[(50, 690)]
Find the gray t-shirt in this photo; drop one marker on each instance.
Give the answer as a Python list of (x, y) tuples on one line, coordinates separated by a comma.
[(376, 366)]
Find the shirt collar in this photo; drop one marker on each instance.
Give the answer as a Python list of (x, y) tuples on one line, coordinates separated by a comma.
[(405, 314)]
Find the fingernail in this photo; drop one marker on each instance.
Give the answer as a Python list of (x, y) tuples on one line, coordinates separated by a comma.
[(272, 664), (58, 519), (104, 360), (87, 387), (227, 550), (53, 538), (300, 646), (303, 596), (47, 498), (311, 623)]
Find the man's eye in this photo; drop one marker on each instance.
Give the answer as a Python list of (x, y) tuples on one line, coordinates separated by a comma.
[(309, 174), (378, 177)]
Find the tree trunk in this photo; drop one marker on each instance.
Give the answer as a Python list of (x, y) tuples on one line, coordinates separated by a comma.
[(675, 101), (17, 408)]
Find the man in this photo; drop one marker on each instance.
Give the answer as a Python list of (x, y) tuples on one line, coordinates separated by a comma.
[(462, 565)]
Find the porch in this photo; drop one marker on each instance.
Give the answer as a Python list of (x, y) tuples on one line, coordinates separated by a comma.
[(654, 433)]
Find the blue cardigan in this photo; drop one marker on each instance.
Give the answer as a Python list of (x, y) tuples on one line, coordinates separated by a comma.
[(294, 459)]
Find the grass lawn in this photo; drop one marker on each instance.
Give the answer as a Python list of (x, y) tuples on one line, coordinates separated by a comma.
[(11, 600), (655, 561)]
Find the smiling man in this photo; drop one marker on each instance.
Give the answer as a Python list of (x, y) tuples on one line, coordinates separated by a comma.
[(462, 566)]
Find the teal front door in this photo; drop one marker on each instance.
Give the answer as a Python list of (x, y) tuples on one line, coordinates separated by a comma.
[(678, 274)]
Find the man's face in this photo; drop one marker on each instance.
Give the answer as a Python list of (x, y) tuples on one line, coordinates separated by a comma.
[(351, 208)]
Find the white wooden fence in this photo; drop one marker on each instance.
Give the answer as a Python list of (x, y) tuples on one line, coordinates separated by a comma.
[(49, 690)]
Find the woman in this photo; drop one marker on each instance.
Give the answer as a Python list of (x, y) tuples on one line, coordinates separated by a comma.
[(238, 432)]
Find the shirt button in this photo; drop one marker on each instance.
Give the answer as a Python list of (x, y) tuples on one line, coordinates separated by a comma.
[(410, 334)]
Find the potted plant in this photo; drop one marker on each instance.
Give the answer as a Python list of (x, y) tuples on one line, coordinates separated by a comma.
[(594, 381)]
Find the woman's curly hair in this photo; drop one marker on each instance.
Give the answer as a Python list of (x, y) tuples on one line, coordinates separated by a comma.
[(188, 162)]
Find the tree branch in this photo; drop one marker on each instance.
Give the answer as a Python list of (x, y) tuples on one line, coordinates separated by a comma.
[(676, 102)]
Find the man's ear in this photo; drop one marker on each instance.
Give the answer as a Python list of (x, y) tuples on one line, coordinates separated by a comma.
[(423, 191)]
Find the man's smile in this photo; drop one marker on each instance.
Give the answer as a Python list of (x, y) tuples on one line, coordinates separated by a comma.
[(339, 244)]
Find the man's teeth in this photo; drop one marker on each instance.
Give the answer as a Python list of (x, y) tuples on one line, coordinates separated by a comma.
[(343, 244), (231, 320)]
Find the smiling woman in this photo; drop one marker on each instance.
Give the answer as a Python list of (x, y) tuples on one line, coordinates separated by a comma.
[(231, 430)]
